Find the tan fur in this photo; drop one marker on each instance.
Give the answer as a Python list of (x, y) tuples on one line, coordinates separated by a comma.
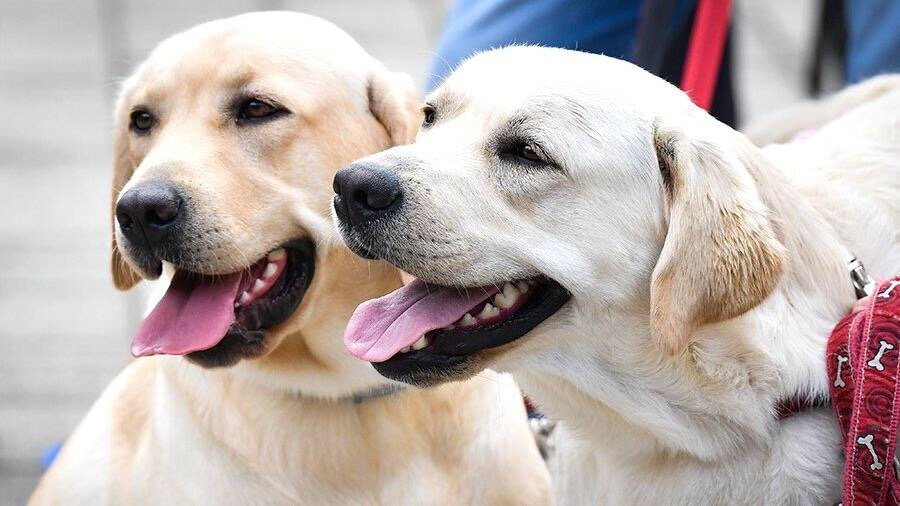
[(721, 256), (281, 429)]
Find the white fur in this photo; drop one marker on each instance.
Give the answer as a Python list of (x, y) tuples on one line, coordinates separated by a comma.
[(639, 426)]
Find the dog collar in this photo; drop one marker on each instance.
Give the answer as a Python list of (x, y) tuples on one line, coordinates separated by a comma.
[(356, 397)]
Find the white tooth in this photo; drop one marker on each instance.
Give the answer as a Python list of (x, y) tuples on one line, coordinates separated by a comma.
[(270, 270), (489, 311), (237, 305), (506, 299), (276, 255), (502, 302), (421, 343), (406, 349), (523, 286), (467, 320), (257, 286), (245, 298)]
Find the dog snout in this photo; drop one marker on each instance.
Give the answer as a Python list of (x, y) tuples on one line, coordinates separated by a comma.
[(365, 191), (148, 213)]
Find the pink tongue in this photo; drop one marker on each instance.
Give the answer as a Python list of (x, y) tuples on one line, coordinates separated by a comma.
[(380, 328), (193, 315)]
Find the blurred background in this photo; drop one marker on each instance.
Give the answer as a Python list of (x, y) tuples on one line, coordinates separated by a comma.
[(64, 331)]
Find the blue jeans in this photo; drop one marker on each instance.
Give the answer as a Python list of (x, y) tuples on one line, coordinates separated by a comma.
[(596, 26), (873, 38)]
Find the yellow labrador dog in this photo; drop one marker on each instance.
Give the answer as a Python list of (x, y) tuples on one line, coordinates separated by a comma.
[(227, 141), (651, 278)]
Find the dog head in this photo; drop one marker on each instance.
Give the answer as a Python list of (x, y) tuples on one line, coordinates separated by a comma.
[(227, 140), (547, 188)]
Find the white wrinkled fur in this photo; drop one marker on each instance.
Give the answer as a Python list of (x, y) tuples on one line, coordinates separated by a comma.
[(638, 427)]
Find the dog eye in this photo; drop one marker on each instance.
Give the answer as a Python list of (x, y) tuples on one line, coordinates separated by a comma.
[(428, 112), (528, 152), (141, 121), (255, 109)]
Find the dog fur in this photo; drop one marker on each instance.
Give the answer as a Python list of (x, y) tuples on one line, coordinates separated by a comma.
[(706, 274), (282, 428)]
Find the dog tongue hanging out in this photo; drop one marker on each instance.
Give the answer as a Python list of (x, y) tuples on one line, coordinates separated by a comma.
[(197, 311)]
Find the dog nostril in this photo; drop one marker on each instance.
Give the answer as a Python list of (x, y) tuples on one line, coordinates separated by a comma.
[(125, 221), (162, 215), (377, 199)]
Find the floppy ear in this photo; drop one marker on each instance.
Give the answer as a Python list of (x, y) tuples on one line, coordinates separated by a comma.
[(721, 256), (124, 277), (394, 103)]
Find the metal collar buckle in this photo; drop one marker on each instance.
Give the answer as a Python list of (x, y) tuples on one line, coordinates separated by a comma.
[(863, 284)]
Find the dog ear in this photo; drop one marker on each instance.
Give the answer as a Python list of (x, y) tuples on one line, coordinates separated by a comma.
[(721, 256), (395, 104), (124, 277)]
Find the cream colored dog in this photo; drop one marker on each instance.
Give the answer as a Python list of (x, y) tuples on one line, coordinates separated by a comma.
[(227, 140), (651, 278)]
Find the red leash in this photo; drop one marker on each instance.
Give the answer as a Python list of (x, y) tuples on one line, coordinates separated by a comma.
[(863, 362), (704, 53)]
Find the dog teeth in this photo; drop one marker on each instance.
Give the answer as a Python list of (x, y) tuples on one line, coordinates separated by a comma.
[(508, 297), (270, 270), (406, 349), (466, 320), (489, 311), (421, 343), (523, 286), (258, 285), (245, 298), (277, 255)]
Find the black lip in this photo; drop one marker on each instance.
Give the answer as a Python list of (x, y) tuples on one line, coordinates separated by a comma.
[(246, 338), (448, 356)]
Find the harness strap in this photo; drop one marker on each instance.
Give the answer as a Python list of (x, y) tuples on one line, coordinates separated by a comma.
[(863, 363), (704, 53)]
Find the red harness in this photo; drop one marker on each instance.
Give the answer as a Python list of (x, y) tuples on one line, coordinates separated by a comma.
[(863, 362)]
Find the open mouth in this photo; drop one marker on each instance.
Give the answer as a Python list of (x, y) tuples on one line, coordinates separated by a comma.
[(428, 329), (217, 320)]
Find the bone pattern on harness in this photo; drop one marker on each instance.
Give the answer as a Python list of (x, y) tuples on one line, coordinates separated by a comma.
[(886, 294), (864, 369), (839, 381), (876, 361), (867, 442)]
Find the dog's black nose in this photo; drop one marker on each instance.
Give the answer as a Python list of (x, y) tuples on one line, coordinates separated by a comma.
[(365, 191), (148, 212)]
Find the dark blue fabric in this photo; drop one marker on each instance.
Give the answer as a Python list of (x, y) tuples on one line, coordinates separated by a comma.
[(596, 26), (873, 38)]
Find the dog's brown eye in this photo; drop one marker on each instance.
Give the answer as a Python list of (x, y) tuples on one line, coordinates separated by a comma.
[(529, 152), (428, 112), (141, 121), (255, 109)]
